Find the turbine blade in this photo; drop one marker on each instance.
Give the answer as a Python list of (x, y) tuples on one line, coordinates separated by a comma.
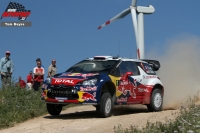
[(134, 2), (118, 16)]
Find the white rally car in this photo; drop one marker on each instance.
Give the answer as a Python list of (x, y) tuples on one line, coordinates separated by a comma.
[(105, 81)]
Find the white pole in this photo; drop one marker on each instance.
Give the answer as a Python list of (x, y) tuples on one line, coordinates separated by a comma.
[(141, 35), (135, 25)]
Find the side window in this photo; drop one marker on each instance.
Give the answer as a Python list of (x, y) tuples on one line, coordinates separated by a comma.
[(116, 72), (132, 67), (123, 69), (147, 68)]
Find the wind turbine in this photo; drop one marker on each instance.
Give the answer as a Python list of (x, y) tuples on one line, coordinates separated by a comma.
[(138, 23)]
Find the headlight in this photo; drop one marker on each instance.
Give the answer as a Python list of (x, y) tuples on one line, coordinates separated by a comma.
[(48, 81), (90, 82)]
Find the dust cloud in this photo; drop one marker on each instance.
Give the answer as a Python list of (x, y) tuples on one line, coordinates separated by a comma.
[(180, 69)]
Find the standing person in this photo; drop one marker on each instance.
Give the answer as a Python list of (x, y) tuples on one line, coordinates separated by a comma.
[(6, 69), (38, 59), (38, 76), (52, 69), (29, 79), (21, 83)]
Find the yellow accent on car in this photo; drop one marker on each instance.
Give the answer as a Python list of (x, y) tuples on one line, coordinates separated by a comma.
[(115, 80), (80, 94)]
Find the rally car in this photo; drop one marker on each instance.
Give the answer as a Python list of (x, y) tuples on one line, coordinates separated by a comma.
[(105, 81)]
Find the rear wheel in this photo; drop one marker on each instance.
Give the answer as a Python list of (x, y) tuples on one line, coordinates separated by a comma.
[(54, 109), (156, 101), (105, 108)]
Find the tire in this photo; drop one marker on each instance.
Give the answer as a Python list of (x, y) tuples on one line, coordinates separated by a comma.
[(54, 109), (156, 101), (106, 105)]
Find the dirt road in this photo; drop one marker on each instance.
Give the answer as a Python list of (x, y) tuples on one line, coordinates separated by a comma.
[(83, 119)]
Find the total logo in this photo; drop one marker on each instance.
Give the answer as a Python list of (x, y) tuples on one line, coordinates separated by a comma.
[(64, 81)]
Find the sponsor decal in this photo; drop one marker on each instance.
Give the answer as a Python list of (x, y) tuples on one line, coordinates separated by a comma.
[(120, 82), (123, 82), (143, 90), (152, 76), (88, 88), (129, 88), (79, 74), (87, 96), (60, 92), (122, 99), (89, 74), (60, 98), (64, 81), (90, 103)]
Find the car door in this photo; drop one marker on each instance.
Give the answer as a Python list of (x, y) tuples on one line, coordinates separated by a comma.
[(128, 85), (136, 79)]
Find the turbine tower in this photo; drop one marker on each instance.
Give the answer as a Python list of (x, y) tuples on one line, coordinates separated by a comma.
[(137, 13)]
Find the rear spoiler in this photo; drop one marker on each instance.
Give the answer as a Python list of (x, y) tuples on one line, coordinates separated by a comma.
[(153, 63)]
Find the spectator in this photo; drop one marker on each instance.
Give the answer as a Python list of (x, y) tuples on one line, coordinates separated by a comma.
[(38, 59), (52, 69), (29, 79), (21, 83), (38, 76), (6, 69)]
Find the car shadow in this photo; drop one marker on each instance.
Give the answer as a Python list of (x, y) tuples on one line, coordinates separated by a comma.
[(117, 111), (126, 110), (75, 115)]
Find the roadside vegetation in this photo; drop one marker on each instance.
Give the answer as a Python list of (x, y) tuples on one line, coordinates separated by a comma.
[(18, 105), (188, 121)]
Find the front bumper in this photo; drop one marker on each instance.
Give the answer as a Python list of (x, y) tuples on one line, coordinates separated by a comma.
[(81, 97)]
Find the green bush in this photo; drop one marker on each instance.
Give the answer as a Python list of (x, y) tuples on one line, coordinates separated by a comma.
[(18, 105)]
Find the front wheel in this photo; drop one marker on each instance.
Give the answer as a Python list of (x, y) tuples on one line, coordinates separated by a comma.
[(54, 109), (156, 101), (105, 108)]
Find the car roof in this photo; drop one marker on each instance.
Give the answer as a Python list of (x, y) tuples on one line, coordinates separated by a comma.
[(105, 58)]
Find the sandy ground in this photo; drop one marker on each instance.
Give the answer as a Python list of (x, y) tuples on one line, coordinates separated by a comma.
[(84, 119)]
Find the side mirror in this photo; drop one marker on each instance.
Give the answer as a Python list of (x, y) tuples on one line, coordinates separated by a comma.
[(126, 75)]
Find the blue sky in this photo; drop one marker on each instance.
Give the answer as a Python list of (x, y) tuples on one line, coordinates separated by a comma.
[(66, 30)]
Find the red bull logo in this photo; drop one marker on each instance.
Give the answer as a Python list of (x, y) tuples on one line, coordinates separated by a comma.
[(127, 86), (87, 96), (129, 89)]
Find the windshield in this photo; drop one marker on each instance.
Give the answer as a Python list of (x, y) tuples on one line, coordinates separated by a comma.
[(87, 66)]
